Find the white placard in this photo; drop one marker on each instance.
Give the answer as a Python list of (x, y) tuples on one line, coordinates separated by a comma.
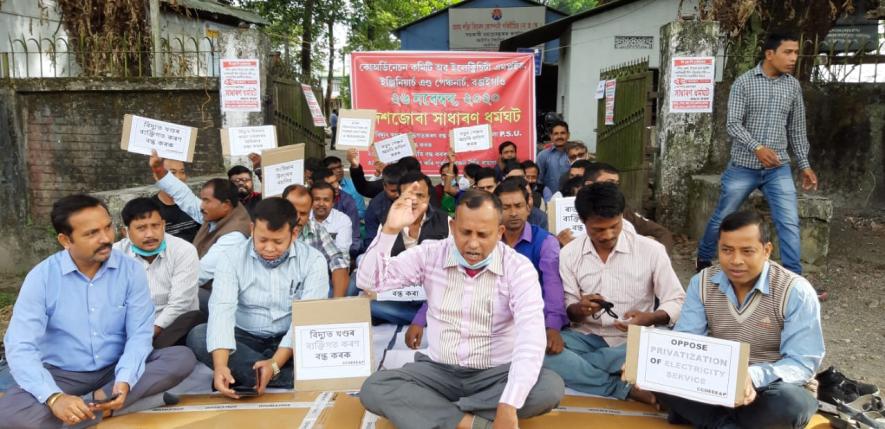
[(695, 367), (333, 351), (600, 90), (394, 149), (566, 216), (319, 120), (246, 140), (692, 80), (408, 293), (171, 141), (278, 176), (354, 132), (471, 139), (610, 86), (240, 85)]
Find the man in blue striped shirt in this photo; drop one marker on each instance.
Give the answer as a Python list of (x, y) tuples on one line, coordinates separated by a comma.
[(250, 311), (766, 114)]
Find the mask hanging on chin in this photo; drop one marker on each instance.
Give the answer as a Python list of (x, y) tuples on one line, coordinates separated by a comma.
[(148, 253), (274, 263), (477, 266)]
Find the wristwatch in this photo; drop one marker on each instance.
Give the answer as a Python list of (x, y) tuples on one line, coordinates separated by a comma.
[(758, 148), (276, 369)]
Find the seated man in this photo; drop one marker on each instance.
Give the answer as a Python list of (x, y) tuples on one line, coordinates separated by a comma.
[(482, 296), (575, 171), (315, 235), (83, 323), (178, 223), (248, 340), (531, 175), (534, 243), (172, 267), (224, 221), (337, 224), (430, 224), (485, 181), (334, 164), (241, 177), (506, 152), (614, 265), (343, 202), (380, 204), (751, 299)]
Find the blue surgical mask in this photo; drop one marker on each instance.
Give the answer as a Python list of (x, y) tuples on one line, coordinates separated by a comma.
[(463, 183), (477, 266), (148, 253), (274, 263)]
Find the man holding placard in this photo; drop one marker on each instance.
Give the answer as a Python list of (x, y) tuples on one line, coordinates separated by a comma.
[(250, 312), (178, 223), (334, 163), (241, 177), (751, 299), (481, 294), (617, 270)]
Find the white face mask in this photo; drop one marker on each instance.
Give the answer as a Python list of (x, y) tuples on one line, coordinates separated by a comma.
[(463, 183)]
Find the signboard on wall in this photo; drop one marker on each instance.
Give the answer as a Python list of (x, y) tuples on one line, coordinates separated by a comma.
[(483, 29)]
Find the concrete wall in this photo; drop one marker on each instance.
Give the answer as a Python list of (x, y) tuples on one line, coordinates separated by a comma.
[(590, 48), (432, 34)]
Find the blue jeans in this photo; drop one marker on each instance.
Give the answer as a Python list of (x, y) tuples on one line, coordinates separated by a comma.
[(779, 189), (589, 365), (778, 405), (250, 349)]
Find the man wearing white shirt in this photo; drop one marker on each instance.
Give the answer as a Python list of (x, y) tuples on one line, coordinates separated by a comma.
[(171, 265), (336, 223)]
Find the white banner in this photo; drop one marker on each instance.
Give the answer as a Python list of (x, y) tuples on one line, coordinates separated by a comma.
[(240, 85), (692, 80)]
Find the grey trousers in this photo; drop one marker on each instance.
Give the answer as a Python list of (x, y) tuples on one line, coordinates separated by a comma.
[(163, 369), (426, 394)]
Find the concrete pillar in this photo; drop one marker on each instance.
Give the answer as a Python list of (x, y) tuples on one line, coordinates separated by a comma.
[(684, 139), (157, 57)]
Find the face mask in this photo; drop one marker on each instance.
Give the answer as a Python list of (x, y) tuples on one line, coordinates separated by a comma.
[(463, 184), (274, 263), (477, 266), (148, 253)]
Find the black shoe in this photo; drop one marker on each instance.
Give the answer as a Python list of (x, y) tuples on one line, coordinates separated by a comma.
[(836, 388), (170, 399), (700, 265)]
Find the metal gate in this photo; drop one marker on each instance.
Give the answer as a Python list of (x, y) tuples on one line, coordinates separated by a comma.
[(626, 143), (293, 120)]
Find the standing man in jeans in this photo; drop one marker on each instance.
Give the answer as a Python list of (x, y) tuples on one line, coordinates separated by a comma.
[(765, 115)]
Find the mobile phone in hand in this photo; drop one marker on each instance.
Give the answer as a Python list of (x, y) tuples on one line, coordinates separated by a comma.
[(245, 392), (105, 400)]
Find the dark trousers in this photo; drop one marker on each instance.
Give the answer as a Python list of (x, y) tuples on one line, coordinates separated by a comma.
[(163, 370), (426, 394), (250, 349), (176, 333), (778, 405)]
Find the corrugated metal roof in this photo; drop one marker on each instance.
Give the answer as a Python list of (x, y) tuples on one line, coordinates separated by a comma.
[(397, 30), (214, 7)]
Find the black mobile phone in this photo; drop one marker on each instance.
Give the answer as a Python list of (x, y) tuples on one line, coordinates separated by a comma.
[(106, 400), (245, 392)]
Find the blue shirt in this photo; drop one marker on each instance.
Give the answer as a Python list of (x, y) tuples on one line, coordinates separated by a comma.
[(552, 163), (257, 299), (537, 217), (802, 343), (348, 187), (376, 213), (64, 319), (347, 205)]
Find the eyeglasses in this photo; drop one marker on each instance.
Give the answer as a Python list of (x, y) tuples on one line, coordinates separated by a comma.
[(606, 307)]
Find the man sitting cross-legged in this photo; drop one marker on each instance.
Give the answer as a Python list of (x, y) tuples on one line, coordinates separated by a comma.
[(751, 299), (248, 340), (485, 324), (83, 323), (610, 264)]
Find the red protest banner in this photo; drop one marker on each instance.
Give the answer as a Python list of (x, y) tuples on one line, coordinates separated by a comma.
[(430, 93)]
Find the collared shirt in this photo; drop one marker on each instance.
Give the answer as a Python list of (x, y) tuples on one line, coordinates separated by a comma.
[(769, 112), (338, 225), (345, 204), (375, 215), (257, 299), (552, 163), (65, 319), (537, 217), (473, 321), (172, 278), (348, 187), (190, 204), (637, 270), (547, 266), (314, 235), (802, 342)]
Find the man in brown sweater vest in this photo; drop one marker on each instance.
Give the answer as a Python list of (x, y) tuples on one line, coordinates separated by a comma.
[(224, 222), (750, 299)]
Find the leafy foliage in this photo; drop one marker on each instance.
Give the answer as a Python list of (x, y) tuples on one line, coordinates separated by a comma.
[(571, 7)]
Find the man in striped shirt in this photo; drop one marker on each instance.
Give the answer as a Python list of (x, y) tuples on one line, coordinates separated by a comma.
[(481, 294), (250, 311), (610, 265)]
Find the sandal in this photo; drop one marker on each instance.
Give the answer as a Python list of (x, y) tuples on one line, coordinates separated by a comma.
[(866, 412)]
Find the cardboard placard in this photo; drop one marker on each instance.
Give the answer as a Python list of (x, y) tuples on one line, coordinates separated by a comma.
[(241, 141), (316, 113), (171, 141), (395, 148), (703, 369), (471, 139), (356, 129), (332, 339), (561, 214), (281, 167), (408, 293)]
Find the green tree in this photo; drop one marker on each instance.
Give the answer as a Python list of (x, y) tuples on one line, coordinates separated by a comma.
[(373, 21), (571, 7)]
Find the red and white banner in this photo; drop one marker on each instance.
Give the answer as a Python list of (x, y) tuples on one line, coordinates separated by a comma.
[(240, 85), (692, 80), (430, 93), (316, 112)]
